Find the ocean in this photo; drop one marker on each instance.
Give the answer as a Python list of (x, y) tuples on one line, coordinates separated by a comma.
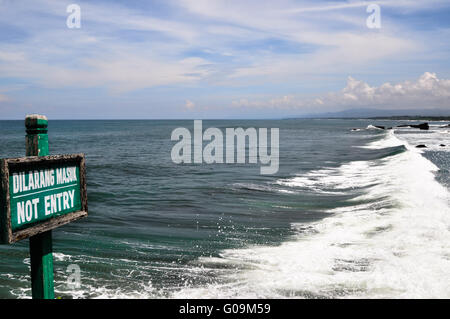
[(350, 214)]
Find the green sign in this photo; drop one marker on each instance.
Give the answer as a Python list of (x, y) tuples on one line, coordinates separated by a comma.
[(41, 193), (38, 195)]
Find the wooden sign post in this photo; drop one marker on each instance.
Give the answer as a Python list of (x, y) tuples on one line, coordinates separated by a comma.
[(41, 245), (39, 193)]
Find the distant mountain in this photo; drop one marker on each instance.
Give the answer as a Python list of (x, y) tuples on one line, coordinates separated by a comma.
[(370, 113)]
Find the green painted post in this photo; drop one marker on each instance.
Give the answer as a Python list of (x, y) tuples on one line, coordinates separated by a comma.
[(40, 245)]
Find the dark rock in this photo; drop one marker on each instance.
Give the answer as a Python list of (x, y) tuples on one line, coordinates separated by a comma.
[(442, 145), (421, 146), (423, 126), (380, 127)]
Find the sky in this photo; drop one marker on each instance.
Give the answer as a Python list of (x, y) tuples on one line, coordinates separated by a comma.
[(199, 59)]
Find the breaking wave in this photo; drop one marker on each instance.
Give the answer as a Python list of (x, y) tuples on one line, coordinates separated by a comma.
[(390, 241)]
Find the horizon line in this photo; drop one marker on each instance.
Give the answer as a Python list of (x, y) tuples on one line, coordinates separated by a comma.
[(388, 117)]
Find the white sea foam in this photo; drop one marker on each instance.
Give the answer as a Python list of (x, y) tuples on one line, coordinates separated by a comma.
[(393, 241), (372, 127), (390, 141), (432, 139), (332, 180)]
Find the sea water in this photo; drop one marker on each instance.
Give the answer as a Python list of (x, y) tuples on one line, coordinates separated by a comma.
[(349, 214)]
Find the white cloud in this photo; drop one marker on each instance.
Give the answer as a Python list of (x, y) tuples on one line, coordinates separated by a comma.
[(98, 55), (285, 101), (3, 98), (345, 51), (316, 40), (189, 105), (118, 71), (428, 91), (335, 36), (105, 58)]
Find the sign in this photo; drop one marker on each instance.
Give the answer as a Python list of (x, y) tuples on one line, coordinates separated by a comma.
[(40, 193)]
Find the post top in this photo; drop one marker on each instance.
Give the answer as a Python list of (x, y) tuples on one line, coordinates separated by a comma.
[(36, 123), (38, 116)]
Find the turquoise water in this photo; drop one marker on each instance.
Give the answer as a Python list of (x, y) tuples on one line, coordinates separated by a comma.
[(349, 214)]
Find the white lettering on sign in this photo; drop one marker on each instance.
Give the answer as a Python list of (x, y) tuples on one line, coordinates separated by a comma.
[(58, 202), (55, 203), (66, 175), (26, 210), (34, 180), (23, 182)]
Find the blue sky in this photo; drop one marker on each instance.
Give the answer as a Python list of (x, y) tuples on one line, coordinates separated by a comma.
[(221, 59)]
